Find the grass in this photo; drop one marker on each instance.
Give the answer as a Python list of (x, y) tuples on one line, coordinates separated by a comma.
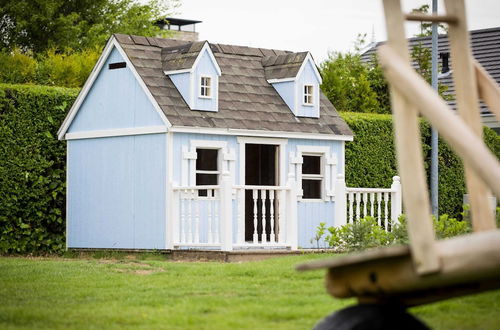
[(147, 292)]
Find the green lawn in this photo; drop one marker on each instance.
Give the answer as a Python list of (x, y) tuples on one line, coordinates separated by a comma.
[(147, 292)]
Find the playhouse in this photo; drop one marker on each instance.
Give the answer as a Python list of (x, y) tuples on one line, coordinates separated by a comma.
[(182, 145)]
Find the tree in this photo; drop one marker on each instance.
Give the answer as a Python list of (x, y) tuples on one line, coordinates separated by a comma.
[(352, 85), (346, 82), (62, 25)]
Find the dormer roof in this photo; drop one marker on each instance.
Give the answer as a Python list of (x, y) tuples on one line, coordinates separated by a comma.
[(183, 58), (286, 66), (246, 100)]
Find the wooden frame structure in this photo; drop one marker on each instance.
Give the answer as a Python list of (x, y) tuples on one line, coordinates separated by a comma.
[(429, 270)]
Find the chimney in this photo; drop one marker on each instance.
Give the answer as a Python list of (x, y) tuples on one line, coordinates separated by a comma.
[(445, 66), (183, 29)]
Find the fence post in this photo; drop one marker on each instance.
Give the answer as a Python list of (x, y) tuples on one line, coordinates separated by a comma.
[(396, 199), (340, 201), (291, 206), (226, 212)]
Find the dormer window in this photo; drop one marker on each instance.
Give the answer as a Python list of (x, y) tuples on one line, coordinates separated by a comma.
[(308, 95), (205, 87)]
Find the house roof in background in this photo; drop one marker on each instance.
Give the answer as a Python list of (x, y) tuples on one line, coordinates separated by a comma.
[(246, 100), (485, 45)]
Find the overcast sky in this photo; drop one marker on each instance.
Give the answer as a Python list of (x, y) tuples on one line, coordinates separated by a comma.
[(318, 26)]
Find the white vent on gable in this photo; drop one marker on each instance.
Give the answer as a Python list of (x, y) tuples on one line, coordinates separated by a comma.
[(195, 73)]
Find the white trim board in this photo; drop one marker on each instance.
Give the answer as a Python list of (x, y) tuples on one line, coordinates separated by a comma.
[(115, 132), (264, 134), (112, 42)]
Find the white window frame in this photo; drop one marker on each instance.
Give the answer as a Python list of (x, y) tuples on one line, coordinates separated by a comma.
[(316, 177), (328, 170), (208, 88), (308, 96)]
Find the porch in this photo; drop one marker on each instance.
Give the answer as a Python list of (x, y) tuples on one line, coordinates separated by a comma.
[(231, 217)]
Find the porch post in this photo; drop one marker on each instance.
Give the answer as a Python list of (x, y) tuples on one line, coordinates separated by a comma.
[(340, 202), (291, 214), (226, 212), (396, 200)]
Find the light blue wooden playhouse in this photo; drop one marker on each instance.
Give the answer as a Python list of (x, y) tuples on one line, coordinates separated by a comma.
[(191, 145)]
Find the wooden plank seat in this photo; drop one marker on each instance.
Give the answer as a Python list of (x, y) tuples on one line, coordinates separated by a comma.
[(468, 263)]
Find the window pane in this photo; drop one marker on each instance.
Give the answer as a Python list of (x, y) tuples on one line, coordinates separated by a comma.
[(311, 189), (206, 159), (311, 165), (206, 179)]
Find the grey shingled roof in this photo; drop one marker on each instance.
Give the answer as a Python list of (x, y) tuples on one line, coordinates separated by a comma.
[(180, 57), (246, 99), (283, 66), (485, 45)]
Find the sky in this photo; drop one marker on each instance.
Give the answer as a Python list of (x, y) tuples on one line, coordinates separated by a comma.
[(318, 26)]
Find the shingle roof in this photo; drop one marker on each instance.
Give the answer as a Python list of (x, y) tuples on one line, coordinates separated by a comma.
[(485, 45), (283, 66), (246, 99)]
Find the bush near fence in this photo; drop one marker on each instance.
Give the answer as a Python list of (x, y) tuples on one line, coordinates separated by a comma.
[(371, 159), (32, 165), (32, 168)]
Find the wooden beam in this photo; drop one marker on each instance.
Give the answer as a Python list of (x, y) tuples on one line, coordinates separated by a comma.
[(409, 154), (431, 18), (488, 90), (468, 145), (468, 263), (466, 90)]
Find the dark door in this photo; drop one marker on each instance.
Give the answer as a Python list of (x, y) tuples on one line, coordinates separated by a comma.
[(260, 170)]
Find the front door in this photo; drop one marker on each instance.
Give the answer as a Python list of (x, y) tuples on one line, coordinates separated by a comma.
[(261, 169)]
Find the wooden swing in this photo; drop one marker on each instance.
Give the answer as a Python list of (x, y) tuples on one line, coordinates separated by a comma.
[(428, 270)]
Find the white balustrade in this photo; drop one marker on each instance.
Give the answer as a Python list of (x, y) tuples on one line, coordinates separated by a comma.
[(268, 209), (383, 204), (198, 216)]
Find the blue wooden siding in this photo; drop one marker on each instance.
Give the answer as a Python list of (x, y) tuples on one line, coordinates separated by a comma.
[(115, 100), (307, 77), (311, 213), (287, 92), (182, 83), (116, 192), (205, 67)]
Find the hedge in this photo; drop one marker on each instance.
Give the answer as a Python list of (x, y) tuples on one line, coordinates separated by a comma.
[(32, 168), (371, 159)]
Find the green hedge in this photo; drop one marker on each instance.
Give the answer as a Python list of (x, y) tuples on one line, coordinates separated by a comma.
[(32, 168), (370, 158)]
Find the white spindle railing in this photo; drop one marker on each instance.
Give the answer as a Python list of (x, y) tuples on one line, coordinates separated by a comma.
[(384, 204), (199, 217), (268, 214)]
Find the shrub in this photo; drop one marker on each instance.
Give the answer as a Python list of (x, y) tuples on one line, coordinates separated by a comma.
[(51, 68), (366, 233), (16, 67), (32, 168), (371, 160)]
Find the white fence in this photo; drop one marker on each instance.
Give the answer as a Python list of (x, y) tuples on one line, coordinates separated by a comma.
[(383, 204)]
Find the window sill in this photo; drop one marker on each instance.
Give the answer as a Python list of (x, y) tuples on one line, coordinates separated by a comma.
[(204, 97)]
